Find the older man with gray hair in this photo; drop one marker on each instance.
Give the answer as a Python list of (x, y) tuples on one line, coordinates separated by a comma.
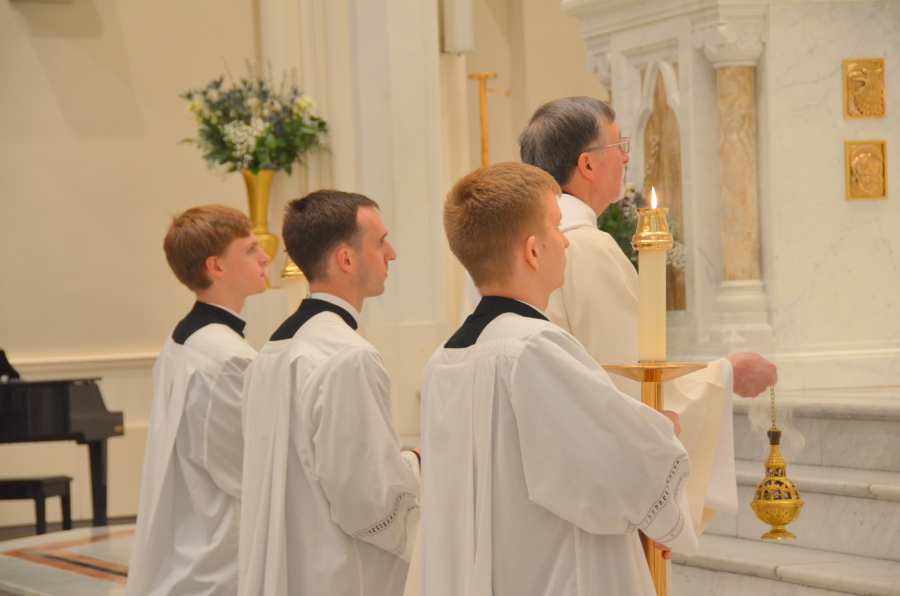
[(578, 142)]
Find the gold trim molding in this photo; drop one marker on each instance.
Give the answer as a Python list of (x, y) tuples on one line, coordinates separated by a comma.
[(865, 167), (864, 88)]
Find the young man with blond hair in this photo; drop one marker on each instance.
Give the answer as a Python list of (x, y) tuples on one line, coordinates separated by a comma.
[(330, 503), (539, 472), (189, 512), (578, 142)]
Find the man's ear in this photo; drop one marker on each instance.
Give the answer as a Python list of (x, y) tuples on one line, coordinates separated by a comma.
[(213, 267), (531, 254), (586, 166), (345, 259)]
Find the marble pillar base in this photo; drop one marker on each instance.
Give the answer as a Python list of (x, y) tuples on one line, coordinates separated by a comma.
[(742, 315)]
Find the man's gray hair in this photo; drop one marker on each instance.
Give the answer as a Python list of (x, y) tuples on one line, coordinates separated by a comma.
[(560, 131)]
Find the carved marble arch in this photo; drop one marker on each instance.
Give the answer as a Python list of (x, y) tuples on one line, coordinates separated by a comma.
[(660, 134)]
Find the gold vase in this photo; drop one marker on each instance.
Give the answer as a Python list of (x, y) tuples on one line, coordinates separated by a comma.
[(258, 186)]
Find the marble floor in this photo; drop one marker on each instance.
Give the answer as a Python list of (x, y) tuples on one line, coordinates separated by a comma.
[(82, 562)]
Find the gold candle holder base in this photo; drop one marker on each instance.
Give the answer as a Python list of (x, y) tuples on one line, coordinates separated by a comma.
[(291, 270), (651, 376)]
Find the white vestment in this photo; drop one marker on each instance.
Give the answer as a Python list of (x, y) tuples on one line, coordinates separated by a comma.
[(330, 505), (188, 517), (598, 304), (537, 471)]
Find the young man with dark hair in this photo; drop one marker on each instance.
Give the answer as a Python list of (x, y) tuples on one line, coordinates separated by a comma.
[(539, 471), (189, 511), (330, 503)]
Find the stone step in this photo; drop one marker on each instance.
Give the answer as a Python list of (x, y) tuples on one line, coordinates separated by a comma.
[(845, 510), (853, 430), (739, 567)]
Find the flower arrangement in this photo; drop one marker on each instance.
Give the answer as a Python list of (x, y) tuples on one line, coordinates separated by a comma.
[(620, 221), (248, 125)]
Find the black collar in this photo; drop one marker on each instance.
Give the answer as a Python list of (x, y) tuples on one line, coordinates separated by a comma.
[(308, 309), (204, 314), (489, 309)]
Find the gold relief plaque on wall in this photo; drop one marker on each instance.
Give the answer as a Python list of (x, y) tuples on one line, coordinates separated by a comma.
[(866, 169), (864, 88)]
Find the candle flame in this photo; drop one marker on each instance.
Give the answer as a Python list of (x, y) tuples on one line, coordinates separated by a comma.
[(652, 198)]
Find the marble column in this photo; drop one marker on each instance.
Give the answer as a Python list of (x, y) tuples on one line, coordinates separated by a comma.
[(737, 167), (734, 49)]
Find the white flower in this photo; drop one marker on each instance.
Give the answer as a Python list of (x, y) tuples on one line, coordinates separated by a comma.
[(244, 138), (676, 256), (213, 95)]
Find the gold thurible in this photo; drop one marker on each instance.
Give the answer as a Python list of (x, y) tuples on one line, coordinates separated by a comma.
[(777, 501)]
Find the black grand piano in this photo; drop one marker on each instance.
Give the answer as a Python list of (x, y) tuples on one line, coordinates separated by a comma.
[(72, 410)]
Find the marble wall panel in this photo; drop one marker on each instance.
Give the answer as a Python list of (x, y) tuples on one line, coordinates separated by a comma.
[(837, 263), (867, 444), (865, 527), (752, 443), (863, 444), (723, 524)]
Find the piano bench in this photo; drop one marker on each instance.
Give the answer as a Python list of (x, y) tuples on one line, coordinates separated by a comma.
[(39, 489)]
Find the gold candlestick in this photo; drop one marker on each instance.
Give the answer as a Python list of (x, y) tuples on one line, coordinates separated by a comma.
[(652, 239), (651, 376), (482, 104)]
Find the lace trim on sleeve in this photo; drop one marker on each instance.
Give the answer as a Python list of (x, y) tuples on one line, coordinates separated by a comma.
[(387, 521), (675, 473)]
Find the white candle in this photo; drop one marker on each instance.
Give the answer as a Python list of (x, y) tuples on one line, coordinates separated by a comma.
[(652, 301)]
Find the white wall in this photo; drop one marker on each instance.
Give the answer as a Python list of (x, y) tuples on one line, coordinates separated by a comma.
[(92, 172), (537, 53), (833, 264)]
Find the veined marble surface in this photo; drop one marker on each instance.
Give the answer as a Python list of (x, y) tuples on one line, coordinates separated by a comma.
[(834, 523), (841, 431), (742, 567), (834, 265), (86, 561), (831, 267)]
